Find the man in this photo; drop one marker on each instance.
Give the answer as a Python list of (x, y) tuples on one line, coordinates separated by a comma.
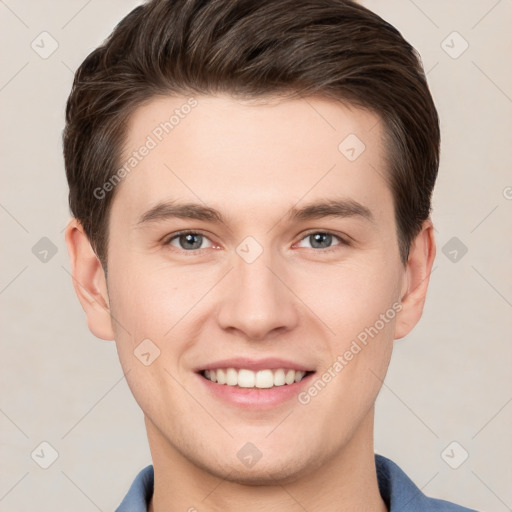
[(250, 185)]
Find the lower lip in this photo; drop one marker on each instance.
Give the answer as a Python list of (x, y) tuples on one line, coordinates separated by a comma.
[(256, 398)]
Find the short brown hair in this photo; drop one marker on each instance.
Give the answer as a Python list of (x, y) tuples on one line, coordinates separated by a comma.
[(336, 49)]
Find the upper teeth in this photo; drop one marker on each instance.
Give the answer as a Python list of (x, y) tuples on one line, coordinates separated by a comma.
[(249, 379)]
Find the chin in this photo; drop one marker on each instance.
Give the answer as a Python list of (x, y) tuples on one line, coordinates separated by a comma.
[(272, 471), (271, 474)]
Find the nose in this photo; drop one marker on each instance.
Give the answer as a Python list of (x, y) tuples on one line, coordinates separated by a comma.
[(257, 301)]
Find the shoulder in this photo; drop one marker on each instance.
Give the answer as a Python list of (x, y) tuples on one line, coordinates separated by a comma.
[(140, 492), (401, 494)]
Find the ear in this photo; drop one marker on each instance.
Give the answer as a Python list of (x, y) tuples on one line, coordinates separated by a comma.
[(89, 281), (416, 279)]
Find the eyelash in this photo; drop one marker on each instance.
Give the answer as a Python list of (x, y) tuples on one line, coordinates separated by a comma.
[(343, 242)]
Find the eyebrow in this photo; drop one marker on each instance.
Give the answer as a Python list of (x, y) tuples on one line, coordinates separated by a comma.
[(340, 208)]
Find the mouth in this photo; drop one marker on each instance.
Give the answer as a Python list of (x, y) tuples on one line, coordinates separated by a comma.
[(254, 384), (260, 379)]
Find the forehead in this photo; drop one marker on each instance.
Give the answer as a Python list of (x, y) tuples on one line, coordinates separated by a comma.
[(237, 155)]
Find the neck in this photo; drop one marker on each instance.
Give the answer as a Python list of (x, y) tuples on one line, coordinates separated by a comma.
[(346, 481)]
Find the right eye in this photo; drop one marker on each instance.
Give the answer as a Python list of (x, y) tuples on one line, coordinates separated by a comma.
[(187, 240)]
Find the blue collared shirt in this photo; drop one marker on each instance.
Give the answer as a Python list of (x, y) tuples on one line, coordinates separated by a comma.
[(397, 490)]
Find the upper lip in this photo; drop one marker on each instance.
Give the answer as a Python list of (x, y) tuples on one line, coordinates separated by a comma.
[(269, 363)]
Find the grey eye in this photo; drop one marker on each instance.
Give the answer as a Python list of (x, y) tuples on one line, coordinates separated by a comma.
[(187, 241)]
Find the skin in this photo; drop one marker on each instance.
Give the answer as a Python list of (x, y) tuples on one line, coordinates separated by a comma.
[(253, 161)]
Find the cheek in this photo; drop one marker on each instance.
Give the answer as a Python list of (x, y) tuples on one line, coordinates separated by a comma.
[(144, 307), (152, 296), (155, 302), (351, 298), (360, 305)]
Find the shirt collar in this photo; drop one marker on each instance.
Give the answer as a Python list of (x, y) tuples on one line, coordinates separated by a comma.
[(398, 491)]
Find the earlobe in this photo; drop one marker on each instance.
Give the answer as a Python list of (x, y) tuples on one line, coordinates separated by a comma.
[(416, 279), (89, 281)]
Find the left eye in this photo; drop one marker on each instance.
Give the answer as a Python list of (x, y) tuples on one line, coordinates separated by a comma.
[(322, 240)]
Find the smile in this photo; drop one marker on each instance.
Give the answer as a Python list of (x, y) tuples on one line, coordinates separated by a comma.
[(262, 379)]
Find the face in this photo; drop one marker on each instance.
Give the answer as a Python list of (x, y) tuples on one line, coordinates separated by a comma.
[(254, 275)]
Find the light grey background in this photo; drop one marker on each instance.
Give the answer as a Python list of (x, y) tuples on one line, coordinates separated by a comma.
[(449, 381)]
